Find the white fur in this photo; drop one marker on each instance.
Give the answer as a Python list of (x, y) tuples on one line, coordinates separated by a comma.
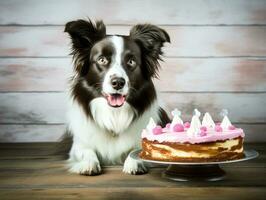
[(133, 167), (83, 161), (115, 120), (106, 138), (116, 68)]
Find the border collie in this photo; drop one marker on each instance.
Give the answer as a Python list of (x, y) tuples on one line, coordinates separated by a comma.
[(112, 95)]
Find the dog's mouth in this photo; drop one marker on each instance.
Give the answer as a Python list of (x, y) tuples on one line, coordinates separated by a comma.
[(115, 100)]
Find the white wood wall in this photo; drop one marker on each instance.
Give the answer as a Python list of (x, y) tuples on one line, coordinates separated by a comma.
[(217, 59)]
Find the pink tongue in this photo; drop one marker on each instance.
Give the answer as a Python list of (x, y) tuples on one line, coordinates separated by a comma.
[(115, 100)]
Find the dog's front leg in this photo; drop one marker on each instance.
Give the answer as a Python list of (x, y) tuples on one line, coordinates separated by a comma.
[(134, 167), (83, 161)]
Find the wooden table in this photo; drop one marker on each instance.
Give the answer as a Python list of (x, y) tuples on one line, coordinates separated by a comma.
[(33, 171)]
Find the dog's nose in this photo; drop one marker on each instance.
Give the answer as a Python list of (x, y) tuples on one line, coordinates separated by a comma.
[(118, 83)]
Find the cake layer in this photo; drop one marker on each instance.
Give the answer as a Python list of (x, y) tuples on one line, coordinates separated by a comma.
[(185, 152), (183, 137)]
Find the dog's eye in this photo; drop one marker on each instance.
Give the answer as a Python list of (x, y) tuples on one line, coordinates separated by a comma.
[(132, 63), (102, 60)]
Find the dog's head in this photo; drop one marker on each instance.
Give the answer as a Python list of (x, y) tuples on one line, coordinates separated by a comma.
[(115, 66)]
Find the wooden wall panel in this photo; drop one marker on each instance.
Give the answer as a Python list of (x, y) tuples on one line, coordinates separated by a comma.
[(216, 59), (177, 74), (219, 75), (53, 132), (130, 12), (243, 107), (38, 108), (31, 133), (42, 108), (34, 74), (199, 41)]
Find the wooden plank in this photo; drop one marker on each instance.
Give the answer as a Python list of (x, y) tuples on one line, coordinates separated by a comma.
[(187, 41), (34, 178), (121, 12), (199, 193), (254, 132), (243, 107), (207, 75), (33, 108), (35, 74), (31, 133), (28, 149), (54, 174), (177, 74), (53, 132), (44, 108)]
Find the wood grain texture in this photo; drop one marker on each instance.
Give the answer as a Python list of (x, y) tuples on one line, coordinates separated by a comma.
[(216, 59), (53, 132), (27, 172), (177, 74), (35, 74), (39, 108), (207, 75), (243, 107), (187, 41), (130, 12), (44, 108), (199, 193), (31, 133)]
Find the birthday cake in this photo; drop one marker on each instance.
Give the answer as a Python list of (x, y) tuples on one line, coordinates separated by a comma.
[(195, 141)]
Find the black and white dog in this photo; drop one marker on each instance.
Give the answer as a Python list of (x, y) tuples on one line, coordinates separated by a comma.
[(112, 95)]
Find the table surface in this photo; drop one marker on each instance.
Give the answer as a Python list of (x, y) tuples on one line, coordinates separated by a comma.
[(34, 171)]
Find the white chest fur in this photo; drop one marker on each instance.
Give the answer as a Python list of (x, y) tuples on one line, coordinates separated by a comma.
[(112, 132)]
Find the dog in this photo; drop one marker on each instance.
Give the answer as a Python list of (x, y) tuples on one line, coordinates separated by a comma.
[(111, 94)]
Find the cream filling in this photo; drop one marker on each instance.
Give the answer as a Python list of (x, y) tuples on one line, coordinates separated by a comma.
[(179, 153), (227, 144)]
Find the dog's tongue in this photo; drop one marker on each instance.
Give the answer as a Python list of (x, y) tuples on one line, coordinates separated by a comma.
[(116, 100)]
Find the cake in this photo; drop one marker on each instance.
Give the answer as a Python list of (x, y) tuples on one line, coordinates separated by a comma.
[(195, 141)]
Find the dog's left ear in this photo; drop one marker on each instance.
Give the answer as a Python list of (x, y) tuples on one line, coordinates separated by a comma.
[(151, 39), (84, 34)]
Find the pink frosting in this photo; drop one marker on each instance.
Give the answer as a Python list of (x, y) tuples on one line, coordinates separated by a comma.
[(218, 128), (157, 130), (203, 128), (186, 124), (168, 125), (231, 127), (210, 135), (178, 128), (203, 133)]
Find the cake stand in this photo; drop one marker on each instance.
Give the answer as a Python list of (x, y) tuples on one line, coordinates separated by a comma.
[(195, 171)]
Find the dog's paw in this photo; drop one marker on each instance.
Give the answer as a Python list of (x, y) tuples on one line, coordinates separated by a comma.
[(134, 167), (86, 168)]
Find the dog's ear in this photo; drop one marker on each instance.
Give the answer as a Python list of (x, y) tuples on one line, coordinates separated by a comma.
[(151, 39), (83, 35)]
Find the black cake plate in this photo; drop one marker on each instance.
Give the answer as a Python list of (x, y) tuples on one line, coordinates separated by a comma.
[(199, 171)]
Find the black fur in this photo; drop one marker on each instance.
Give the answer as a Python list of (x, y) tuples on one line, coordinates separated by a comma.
[(151, 39), (84, 34), (164, 119)]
